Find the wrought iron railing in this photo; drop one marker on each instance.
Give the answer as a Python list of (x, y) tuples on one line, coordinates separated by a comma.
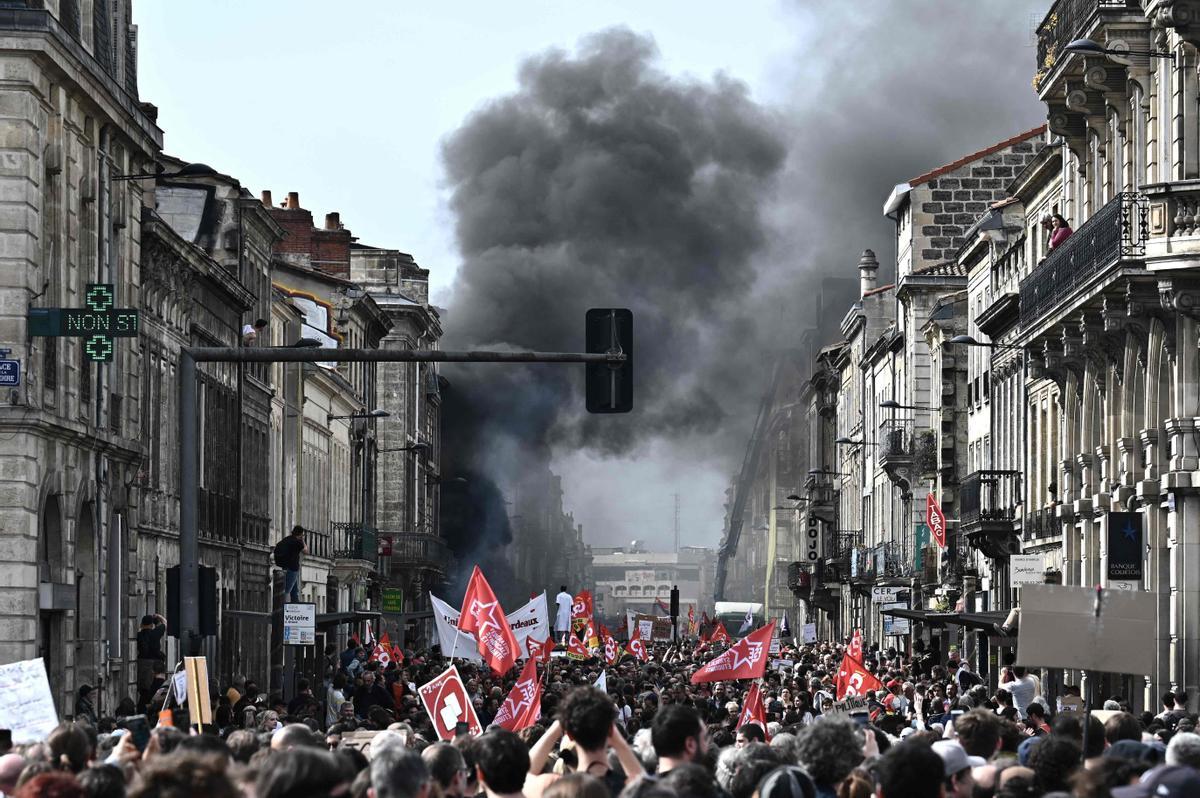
[(896, 439), (419, 549), (1040, 524), (989, 496), (353, 541), (845, 541), (1062, 24), (1116, 231)]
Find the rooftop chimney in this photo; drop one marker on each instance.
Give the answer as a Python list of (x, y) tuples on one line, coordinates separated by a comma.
[(293, 200), (266, 199), (867, 269), (333, 221)]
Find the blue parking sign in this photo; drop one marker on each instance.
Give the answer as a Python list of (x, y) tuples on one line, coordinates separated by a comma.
[(10, 373)]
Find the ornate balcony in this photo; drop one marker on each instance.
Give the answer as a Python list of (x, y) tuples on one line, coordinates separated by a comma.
[(988, 506), (1040, 524), (420, 550), (896, 452), (1066, 21), (1115, 233), (352, 541)]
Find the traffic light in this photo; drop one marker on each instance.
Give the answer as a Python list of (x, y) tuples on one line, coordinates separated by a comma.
[(609, 387), (675, 601)]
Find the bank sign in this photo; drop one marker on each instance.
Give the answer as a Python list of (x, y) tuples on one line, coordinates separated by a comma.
[(1126, 551)]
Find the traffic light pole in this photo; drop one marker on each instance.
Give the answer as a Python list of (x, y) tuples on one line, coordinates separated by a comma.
[(189, 536)]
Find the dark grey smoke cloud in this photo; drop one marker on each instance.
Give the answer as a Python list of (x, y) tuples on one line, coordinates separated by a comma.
[(603, 181)]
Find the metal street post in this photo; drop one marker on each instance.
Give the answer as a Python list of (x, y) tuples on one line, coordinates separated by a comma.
[(189, 538)]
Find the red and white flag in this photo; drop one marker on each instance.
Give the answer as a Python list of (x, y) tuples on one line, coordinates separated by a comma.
[(382, 653), (753, 710), (612, 651), (523, 706), (719, 634), (854, 679), (483, 617), (637, 646), (368, 640), (397, 655), (745, 659), (539, 650), (445, 699), (855, 647), (576, 649), (581, 610)]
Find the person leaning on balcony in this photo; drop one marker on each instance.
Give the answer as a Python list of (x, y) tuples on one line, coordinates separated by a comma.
[(1060, 231)]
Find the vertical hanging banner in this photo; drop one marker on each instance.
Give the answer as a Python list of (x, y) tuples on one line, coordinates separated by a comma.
[(935, 519), (1125, 551)]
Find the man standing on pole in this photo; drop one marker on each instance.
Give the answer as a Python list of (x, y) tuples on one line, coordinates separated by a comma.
[(287, 557)]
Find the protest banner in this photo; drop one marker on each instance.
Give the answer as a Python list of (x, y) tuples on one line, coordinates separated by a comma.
[(447, 703), (854, 705), (26, 704), (530, 620)]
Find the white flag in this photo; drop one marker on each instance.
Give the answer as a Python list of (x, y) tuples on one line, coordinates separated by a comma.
[(452, 641), (601, 683), (531, 619), (747, 622)]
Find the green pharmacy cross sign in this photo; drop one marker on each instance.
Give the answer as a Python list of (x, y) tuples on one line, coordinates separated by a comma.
[(97, 323)]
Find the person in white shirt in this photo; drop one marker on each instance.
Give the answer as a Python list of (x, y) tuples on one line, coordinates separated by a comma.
[(1023, 690), (564, 600)]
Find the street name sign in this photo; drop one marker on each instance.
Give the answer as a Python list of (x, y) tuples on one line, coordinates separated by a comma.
[(299, 624)]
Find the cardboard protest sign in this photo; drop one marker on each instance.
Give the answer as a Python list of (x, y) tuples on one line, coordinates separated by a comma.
[(26, 704), (198, 700), (1083, 628)]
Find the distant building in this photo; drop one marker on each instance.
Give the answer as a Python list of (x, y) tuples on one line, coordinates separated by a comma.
[(629, 578)]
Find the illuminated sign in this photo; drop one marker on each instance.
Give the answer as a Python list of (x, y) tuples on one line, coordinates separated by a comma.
[(97, 323)]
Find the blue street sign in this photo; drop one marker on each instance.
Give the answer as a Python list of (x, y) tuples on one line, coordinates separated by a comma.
[(10, 373)]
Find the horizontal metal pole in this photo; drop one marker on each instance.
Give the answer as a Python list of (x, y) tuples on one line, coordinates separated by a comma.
[(290, 354)]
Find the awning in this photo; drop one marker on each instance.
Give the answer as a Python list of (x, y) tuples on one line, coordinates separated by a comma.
[(338, 618), (924, 616), (990, 622)]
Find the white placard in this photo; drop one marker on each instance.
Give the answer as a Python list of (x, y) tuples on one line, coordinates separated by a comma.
[(1026, 569), (26, 705), (299, 624), (810, 633), (893, 625), (889, 595), (181, 687), (782, 664)]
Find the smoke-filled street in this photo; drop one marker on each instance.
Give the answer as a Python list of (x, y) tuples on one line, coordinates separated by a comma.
[(627, 400)]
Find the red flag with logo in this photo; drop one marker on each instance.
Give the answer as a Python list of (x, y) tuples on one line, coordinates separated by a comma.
[(483, 617), (719, 634), (855, 647), (692, 619), (539, 650), (575, 648), (523, 706), (745, 659), (853, 679), (753, 710), (445, 700), (935, 519), (612, 652), (382, 653), (397, 655), (637, 646), (581, 610)]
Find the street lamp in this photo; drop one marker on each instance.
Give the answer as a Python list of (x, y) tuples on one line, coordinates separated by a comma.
[(436, 480), (1092, 47), (187, 170), (416, 447), (305, 343), (371, 414), (845, 441), (822, 472), (966, 340)]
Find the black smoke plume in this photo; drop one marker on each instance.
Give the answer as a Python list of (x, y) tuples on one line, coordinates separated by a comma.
[(603, 182)]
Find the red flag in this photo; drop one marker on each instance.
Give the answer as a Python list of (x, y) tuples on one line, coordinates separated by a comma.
[(382, 652), (745, 659), (719, 633), (753, 710), (692, 619), (855, 647), (539, 650), (523, 706), (854, 679), (590, 638), (581, 610), (935, 519), (663, 607), (612, 651), (576, 649), (636, 646), (446, 700), (483, 617), (397, 655)]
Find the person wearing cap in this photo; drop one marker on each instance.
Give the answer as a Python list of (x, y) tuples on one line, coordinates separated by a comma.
[(957, 765), (1164, 781)]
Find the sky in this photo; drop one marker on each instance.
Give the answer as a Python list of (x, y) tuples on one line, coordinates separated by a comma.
[(352, 106)]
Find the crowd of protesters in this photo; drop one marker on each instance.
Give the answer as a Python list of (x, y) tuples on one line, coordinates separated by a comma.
[(934, 729)]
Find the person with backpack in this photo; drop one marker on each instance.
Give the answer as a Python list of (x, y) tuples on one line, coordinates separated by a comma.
[(287, 557)]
